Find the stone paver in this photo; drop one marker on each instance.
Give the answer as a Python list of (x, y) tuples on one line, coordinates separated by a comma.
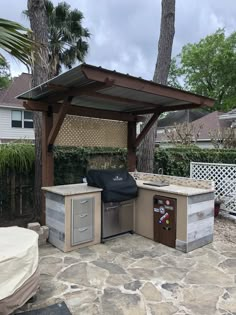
[(132, 275)]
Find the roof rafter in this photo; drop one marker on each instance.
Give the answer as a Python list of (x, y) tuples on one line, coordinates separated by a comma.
[(103, 75)]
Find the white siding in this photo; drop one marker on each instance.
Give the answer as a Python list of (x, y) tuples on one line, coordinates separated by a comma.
[(7, 132)]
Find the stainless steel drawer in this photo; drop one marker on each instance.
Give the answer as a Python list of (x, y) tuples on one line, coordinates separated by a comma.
[(82, 235), (82, 205), (82, 220)]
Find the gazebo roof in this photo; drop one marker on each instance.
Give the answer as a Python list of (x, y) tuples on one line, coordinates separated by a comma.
[(100, 93), (94, 88)]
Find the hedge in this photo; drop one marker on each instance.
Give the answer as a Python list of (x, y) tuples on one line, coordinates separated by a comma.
[(71, 165), (176, 161)]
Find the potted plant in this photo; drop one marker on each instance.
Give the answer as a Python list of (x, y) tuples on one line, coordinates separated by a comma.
[(218, 203)]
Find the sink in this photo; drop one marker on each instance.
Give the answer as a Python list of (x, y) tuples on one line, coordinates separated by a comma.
[(157, 184)]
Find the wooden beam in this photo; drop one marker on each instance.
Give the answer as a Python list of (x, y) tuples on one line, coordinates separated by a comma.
[(131, 145), (145, 130), (105, 114), (47, 158), (41, 106), (102, 75), (100, 113), (58, 122), (83, 111), (26, 105)]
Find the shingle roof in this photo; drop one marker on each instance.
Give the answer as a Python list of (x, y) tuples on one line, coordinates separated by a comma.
[(180, 117), (208, 122), (17, 86), (229, 115)]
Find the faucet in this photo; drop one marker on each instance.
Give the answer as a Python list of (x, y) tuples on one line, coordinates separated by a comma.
[(160, 172)]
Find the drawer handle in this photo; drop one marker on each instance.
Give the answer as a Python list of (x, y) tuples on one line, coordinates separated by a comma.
[(83, 215), (84, 201), (83, 230), (114, 207)]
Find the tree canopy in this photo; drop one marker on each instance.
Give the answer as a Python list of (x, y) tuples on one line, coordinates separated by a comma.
[(15, 41), (5, 76), (67, 39), (208, 68)]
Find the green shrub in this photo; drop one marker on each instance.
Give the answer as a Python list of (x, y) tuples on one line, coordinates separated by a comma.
[(16, 157), (72, 163), (176, 161)]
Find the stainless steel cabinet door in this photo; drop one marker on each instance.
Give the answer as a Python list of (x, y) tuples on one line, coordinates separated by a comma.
[(82, 221), (110, 220), (126, 216)]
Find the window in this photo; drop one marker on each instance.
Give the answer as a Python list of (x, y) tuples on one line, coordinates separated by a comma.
[(21, 119), (28, 119), (16, 118)]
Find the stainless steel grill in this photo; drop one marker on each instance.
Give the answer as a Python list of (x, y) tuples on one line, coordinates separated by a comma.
[(119, 191), (117, 218)]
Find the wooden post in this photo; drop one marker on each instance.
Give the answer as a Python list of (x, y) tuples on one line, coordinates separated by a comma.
[(47, 157), (131, 144)]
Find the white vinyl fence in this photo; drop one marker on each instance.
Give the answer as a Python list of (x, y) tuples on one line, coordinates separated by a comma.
[(224, 177)]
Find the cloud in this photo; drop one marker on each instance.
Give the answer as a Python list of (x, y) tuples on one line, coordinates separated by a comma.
[(125, 33)]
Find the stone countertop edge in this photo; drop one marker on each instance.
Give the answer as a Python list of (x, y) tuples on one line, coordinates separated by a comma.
[(71, 189), (175, 189)]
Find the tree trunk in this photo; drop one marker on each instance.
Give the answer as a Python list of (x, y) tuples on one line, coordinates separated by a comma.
[(167, 31), (38, 23)]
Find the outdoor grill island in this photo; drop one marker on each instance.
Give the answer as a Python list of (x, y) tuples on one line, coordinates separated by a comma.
[(91, 106), (179, 214)]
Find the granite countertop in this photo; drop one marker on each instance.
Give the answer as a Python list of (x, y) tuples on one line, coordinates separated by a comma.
[(175, 189), (75, 189)]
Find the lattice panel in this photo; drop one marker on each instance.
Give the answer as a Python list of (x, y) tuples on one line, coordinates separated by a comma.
[(92, 132), (224, 176)]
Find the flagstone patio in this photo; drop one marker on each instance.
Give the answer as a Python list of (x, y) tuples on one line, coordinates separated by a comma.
[(134, 275)]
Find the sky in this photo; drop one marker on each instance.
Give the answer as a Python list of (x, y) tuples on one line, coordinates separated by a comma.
[(124, 34)]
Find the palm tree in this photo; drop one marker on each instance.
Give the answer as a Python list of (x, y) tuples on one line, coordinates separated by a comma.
[(67, 39), (5, 76), (14, 40)]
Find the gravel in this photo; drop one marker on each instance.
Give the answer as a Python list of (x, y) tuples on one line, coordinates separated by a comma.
[(225, 230)]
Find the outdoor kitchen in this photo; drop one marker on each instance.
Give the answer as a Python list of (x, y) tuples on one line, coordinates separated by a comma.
[(177, 212), (119, 228)]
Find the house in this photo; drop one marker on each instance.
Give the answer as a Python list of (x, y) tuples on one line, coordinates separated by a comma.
[(180, 117), (205, 125), (230, 117), (15, 122)]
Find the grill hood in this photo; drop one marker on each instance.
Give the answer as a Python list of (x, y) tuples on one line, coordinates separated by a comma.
[(118, 185)]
